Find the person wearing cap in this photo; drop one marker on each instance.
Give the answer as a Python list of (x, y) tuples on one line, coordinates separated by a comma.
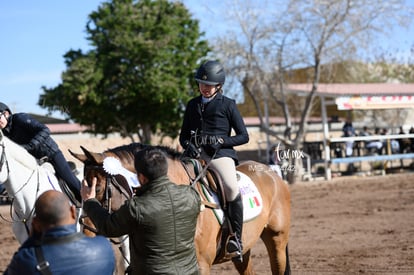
[(160, 219), (55, 247), (209, 120), (35, 137)]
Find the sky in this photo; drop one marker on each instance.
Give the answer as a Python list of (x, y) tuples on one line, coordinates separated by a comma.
[(36, 34)]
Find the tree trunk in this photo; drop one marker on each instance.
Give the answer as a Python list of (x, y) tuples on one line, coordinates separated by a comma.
[(146, 134)]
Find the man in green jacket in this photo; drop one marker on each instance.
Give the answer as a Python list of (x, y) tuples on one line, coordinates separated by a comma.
[(160, 219)]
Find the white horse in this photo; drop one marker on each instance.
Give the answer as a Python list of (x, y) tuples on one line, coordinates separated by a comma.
[(24, 180)]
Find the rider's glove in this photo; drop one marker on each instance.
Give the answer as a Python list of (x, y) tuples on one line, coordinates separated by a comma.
[(212, 147), (191, 150)]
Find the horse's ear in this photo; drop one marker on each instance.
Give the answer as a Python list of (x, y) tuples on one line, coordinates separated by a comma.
[(95, 157), (80, 157)]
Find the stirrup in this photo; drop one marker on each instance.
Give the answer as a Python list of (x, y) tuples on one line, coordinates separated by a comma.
[(234, 247)]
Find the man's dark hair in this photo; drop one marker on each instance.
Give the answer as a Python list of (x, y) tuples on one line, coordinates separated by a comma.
[(151, 162)]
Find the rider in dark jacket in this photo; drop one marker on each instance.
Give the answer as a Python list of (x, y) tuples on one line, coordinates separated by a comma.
[(65, 250), (35, 138), (209, 122)]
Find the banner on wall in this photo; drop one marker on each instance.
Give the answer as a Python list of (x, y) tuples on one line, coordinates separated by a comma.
[(374, 102)]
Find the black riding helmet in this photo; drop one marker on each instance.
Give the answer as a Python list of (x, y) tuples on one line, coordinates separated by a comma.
[(4, 107), (211, 73)]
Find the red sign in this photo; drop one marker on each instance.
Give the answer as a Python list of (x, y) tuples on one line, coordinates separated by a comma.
[(374, 102)]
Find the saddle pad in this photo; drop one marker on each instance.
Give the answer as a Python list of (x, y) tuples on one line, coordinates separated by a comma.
[(50, 172), (48, 167), (252, 200)]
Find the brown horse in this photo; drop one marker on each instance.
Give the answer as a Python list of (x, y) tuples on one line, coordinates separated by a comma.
[(271, 225)]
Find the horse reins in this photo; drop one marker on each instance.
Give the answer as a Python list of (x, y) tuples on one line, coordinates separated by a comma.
[(199, 173), (110, 180), (3, 158)]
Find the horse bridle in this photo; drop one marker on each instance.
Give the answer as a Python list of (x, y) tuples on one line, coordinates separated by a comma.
[(110, 181), (3, 157), (3, 160)]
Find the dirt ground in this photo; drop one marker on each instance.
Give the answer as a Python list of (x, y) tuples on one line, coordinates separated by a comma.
[(349, 225)]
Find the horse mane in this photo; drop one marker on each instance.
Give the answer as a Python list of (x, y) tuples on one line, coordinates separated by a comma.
[(128, 151), (20, 154)]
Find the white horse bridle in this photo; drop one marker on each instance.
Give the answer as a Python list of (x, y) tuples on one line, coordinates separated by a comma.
[(3, 155), (4, 162)]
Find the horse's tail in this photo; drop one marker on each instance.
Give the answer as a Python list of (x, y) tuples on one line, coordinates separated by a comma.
[(287, 268)]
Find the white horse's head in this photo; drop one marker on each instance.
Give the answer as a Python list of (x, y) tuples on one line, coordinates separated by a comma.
[(24, 180)]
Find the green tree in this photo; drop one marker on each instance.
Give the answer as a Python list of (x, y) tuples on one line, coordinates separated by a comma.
[(137, 76)]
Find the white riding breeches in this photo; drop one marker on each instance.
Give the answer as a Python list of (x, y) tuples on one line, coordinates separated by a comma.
[(227, 169)]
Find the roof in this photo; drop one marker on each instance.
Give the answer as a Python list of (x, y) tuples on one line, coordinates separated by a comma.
[(47, 119), (66, 128), (273, 120), (373, 89), (59, 126)]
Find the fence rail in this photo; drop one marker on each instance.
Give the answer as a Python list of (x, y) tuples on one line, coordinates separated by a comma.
[(387, 156), (373, 158)]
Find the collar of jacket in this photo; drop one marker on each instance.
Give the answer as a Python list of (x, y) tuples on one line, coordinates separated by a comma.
[(218, 96), (55, 232), (201, 105), (153, 184)]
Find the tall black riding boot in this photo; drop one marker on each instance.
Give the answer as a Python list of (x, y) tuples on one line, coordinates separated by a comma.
[(235, 215)]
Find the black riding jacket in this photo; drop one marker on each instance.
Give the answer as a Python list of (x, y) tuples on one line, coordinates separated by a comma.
[(31, 134), (216, 118)]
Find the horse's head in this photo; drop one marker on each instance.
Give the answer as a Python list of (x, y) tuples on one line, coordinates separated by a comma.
[(108, 186), (93, 168)]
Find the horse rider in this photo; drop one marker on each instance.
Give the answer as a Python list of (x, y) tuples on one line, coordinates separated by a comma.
[(55, 247), (208, 122), (35, 138)]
